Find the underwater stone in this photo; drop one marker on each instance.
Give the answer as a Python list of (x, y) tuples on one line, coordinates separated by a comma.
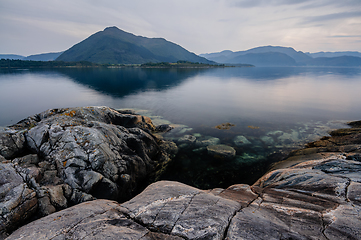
[(246, 158), (208, 142), (221, 151), (267, 140), (187, 139), (241, 140)]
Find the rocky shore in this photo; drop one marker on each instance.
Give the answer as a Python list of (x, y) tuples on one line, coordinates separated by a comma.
[(71, 168), (62, 157)]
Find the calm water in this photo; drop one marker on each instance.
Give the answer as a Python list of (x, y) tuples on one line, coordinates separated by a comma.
[(273, 110)]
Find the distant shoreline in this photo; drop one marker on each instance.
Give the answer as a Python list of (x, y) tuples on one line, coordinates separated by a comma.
[(25, 64)]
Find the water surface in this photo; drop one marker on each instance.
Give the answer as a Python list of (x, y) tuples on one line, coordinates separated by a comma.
[(274, 109)]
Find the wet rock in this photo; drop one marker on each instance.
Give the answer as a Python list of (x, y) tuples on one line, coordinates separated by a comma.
[(169, 147), (164, 128), (267, 140), (207, 141), (246, 158), (224, 126), (241, 140), (221, 151), (188, 139)]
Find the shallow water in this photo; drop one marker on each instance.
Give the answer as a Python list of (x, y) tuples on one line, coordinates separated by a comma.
[(270, 110)]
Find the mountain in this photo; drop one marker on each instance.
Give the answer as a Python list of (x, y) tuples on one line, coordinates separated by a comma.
[(334, 54), (345, 61), (36, 57), (43, 56), (11, 56), (116, 46), (285, 56), (229, 56), (264, 59)]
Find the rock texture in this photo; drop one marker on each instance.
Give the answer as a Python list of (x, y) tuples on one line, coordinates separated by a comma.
[(17, 201), (308, 199), (63, 157), (312, 200)]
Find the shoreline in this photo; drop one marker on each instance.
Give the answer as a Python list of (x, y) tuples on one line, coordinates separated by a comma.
[(319, 187)]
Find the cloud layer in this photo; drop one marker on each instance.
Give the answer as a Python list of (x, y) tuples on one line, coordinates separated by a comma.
[(30, 27)]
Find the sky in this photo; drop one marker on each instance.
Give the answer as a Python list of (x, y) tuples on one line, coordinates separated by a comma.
[(200, 26)]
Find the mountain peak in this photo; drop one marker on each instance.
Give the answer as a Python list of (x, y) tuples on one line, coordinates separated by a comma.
[(115, 46)]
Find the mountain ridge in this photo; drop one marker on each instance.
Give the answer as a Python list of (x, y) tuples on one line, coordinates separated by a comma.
[(334, 54), (115, 46), (255, 56), (35, 57)]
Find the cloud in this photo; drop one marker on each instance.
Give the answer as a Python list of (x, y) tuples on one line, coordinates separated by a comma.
[(264, 3), (302, 4), (345, 36), (30, 27), (333, 16)]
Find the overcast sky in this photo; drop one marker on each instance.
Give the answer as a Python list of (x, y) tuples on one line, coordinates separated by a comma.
[(201, 26)]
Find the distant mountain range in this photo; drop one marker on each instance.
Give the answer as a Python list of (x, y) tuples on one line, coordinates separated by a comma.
[(285, 56), (334, 54), (36, 57), (119, 47), (115, 46)]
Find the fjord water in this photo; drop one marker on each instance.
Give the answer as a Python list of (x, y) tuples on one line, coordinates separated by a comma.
[(270, 110)]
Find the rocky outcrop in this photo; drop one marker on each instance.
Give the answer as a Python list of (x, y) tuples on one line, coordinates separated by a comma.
[(316, 196), (312, 200), (62, 157), (342, 143)]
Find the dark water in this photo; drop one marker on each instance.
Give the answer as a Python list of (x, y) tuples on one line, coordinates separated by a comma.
[(273, 110)]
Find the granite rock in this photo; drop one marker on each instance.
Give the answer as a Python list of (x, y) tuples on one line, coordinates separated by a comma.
[(17, 201), (70, 155), (311, 200)]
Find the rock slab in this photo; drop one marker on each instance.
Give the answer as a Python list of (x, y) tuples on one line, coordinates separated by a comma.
[(311, 200)]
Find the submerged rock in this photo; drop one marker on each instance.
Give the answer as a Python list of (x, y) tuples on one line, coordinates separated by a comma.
[(207, 141), (188, 139), (224, 126), (241, 140), (221, 151)]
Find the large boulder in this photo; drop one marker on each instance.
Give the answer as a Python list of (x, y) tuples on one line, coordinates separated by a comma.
[(68, 156)]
